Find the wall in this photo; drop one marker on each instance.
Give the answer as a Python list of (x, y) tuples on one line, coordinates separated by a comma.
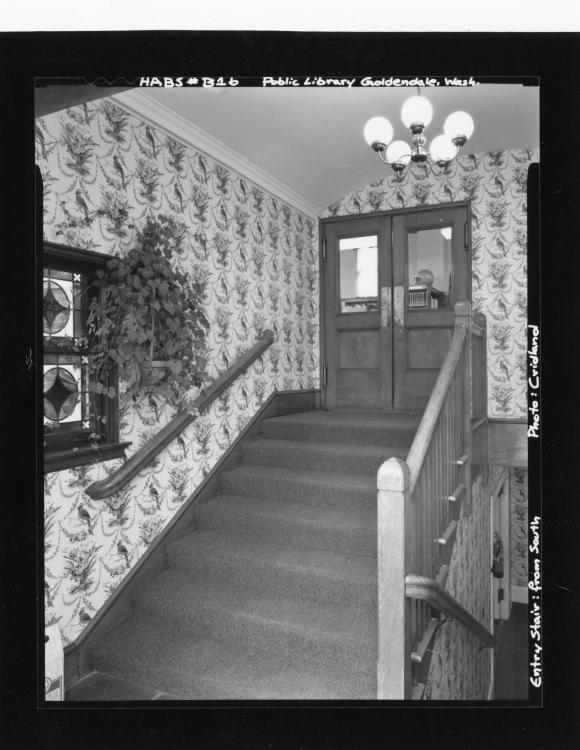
[(518, 495), (460, 669), (495, 183), (104, 171)]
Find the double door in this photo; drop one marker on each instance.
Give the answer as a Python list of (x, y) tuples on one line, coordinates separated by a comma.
[(389, 285)]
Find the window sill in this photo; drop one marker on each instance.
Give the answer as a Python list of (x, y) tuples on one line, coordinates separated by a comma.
[(57, 460)]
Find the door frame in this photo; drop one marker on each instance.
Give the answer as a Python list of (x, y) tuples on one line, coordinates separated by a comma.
[(322, 265)]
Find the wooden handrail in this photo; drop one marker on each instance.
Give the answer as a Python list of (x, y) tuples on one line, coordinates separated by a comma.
[(420, 587), (119, 478), (420, 444)]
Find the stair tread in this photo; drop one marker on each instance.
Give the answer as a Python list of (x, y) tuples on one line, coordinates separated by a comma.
[(396, 420), (325, 620), (321, 446), (171, 660), (208, 542), (310, 476), (363, 515), (379, 451)]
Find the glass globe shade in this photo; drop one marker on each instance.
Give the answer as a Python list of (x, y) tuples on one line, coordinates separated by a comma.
[(442, 149), (417, 111), (459, 125), (398, 152), (378, 130)]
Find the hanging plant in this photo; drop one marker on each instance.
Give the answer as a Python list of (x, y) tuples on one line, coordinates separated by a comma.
[(149, 312)]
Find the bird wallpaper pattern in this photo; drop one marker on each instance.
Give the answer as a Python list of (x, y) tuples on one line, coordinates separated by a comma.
[(104, 172), (518, 495), (460, 669), (496, 184)]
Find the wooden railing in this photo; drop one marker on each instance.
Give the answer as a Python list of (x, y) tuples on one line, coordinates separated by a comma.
[(425, 589), (418, 509), (478, 368), (141, 458)]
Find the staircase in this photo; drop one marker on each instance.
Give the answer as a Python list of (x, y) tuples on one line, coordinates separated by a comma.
[(272, 595)]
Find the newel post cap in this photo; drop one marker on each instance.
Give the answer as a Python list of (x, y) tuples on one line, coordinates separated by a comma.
[(394, 475), (462, 308)]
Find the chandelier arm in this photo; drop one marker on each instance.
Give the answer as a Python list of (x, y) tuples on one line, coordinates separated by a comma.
[(380, 155), (433, 172)]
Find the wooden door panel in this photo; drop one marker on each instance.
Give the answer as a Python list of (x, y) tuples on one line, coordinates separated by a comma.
[(430, 274), (358, 334), (359, 346), (359, 389), (426, 347)]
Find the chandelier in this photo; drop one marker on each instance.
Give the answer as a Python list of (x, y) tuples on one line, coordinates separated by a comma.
[(417, 113)]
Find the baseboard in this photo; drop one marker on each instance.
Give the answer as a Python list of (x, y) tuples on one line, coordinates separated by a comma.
[(77, 660), (519, 594)]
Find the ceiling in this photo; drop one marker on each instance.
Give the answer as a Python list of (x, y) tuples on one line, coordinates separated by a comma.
[(310, 139)]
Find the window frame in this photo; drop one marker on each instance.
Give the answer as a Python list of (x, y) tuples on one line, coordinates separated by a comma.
[(72, 449)]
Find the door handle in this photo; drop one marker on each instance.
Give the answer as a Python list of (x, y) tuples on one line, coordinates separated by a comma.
[(385, 306)]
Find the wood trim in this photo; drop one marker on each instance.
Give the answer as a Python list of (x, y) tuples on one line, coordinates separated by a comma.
[(420, 587), (393, 211), (73, 449), (424, 434), (508, 420), (519, 594), (394, 529), (508, 443), (141, 458), (143, 106), (117, 608), (65, 459)]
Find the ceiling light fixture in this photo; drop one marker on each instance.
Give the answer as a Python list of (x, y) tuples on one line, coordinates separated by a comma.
[(417, 113)]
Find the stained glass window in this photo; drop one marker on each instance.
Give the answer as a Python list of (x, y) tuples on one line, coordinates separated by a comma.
[(79, 424), (65, 377)]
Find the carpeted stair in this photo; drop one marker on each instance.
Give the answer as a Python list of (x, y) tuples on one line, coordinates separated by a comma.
[(273, 594)]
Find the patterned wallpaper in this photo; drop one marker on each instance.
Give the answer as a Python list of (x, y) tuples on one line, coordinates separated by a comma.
[(518, 494), (460, 669), (495, 183), (104, 172)]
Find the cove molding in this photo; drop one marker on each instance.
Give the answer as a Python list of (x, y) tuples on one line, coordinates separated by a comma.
[(136, 102)]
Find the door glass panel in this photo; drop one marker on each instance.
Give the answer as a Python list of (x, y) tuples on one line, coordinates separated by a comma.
[(359, 278), (430, 268)]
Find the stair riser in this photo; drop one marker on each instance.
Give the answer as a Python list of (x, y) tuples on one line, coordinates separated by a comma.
[(347, 540), (171, 680), (286, 488), (300, 582), (303, 457), (332, 433), (250, 632)]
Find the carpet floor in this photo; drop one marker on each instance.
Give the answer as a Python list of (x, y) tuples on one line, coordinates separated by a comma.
[(272, 595)]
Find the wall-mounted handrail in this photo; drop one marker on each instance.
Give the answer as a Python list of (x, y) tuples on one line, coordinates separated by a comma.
[(142, 457), (428, 590)]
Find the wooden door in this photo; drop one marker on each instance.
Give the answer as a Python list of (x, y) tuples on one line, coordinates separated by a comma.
[(431, 272), (357, 309), (390, 283)]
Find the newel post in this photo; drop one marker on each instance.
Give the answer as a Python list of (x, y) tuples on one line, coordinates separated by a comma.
[(463, 317), (394, 562)]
